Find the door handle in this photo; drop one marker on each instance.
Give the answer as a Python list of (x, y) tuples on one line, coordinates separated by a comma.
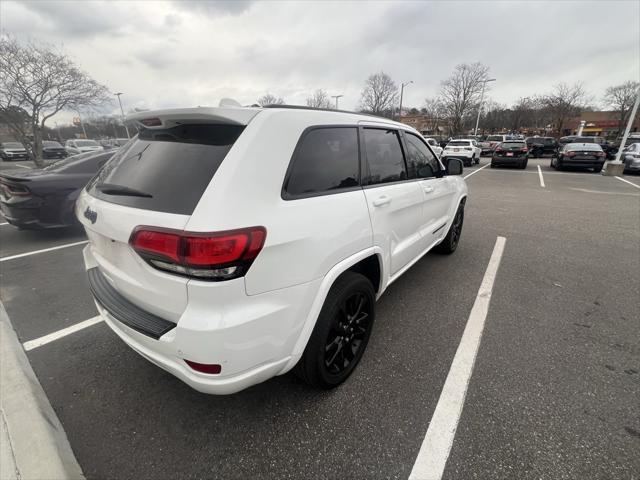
[(381, 201), (428, 189)]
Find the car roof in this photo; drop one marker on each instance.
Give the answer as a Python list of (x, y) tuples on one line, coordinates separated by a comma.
[(243, 115)]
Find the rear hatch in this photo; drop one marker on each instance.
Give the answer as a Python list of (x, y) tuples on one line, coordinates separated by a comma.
[(156, 180)]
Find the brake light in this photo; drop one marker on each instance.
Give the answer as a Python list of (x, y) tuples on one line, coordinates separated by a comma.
[(600, 154), (498, 149), (16, 190), (468, 148), (524, 150), (151, 122), (571, 154), (208, 256)]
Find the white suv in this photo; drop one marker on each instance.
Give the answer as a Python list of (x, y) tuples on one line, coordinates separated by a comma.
[(466, 150), (230, 245)]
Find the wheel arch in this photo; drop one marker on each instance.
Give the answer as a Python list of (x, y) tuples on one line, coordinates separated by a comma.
[(363, 262)]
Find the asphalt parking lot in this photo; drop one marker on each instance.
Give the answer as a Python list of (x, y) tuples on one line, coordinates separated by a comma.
[(554, 393)]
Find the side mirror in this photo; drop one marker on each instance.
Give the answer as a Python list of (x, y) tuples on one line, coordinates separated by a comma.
[(454, 166)]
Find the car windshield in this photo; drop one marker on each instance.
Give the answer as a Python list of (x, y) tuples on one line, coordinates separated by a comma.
[(87, 143), (458, 143), (51, 144), (584, 147), (12, 145)]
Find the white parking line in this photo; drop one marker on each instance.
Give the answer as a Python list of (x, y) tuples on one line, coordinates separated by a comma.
[(22, 166), (4, 223), (437, 443), (541, 178), (476, 171), (44, 250), (627, 181), (38, 342)]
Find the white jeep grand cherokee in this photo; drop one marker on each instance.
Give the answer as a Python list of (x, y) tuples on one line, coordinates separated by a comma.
[(230, 245)]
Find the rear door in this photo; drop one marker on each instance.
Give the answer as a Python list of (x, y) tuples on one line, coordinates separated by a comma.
[(438, 191), (395, 202), (156, 180)]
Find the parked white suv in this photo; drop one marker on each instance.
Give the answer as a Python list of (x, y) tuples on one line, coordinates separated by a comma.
[(230, 245), (74, 147), (466, 150)]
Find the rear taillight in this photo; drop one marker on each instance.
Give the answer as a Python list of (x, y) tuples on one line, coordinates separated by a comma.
[(524, 150), (207, 256), (600, 154), (571, 154), (498, 149), (16, 190), (468, 148)]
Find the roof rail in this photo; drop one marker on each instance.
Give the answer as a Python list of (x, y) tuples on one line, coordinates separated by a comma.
[(319, 109)]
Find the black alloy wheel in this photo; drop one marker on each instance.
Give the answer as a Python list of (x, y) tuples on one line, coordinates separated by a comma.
[(349, 328), (341, 333), (450, 242)]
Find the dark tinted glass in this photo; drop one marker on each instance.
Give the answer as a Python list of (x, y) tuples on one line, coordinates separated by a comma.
[(89, 162), (513, 145), (384, 156), (420, 161), (326, 160), (173, 165)]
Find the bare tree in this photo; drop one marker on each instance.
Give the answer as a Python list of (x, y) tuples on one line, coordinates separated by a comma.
[(379, 95), (621, 98), (319, 99), (460, 93), (435, 112), (564, 102), (43, 82), (270, 99)]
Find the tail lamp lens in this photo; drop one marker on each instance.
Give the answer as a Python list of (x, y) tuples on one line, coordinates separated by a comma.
[(211, 369), (208, 256)]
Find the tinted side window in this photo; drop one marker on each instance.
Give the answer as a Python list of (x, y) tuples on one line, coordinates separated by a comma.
[(420, 161), (384, 156), (326, 159)]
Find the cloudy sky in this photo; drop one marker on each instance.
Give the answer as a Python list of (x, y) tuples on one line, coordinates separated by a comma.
[(186, 53)]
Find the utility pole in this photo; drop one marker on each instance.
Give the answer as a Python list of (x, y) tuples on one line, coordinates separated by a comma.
[(336, 97), (122, 113), (484, 84), (82, 124), (401, 94), (617, 167)]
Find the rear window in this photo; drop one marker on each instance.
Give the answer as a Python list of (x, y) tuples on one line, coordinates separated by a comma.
[(584, 147), (458, 143), (494, 138), (513, 145), (325, 161), (172, 167), (51, 144), (87, 143), (12, 145)]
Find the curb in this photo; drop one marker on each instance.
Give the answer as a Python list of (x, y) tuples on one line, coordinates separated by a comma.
[(37, 441)]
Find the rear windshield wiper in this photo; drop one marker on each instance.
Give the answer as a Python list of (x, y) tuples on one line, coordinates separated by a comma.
[(113, 189)]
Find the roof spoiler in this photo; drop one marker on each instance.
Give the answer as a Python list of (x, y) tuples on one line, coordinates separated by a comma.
[(225, 115)]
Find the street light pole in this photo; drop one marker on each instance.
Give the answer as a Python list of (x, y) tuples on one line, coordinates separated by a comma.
[(484, 84), (336, 97), (401, 94), (82, 124), (122, 113), (627, 130)]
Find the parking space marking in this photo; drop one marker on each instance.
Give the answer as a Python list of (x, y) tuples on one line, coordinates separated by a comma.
[(476, 171), (38, 342), (44, 250), (627, 181), (4, 223), (541, 177), (435, 448), (22, 166)]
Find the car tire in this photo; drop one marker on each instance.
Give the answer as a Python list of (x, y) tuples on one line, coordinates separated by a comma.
[(492, 165), (533, 154), (523, 164), (598, 168), (558, 164), (319, 365), (450, 242)]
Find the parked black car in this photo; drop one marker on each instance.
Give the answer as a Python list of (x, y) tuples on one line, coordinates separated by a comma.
[(13, 151), (583, 155), (608, 148), (511, 152), (52, 149), (539, 146), (45, 198)]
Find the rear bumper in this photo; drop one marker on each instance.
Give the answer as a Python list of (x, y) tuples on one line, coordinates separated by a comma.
[(33, 213), (508, 160), (252, 337), (582, 163)]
